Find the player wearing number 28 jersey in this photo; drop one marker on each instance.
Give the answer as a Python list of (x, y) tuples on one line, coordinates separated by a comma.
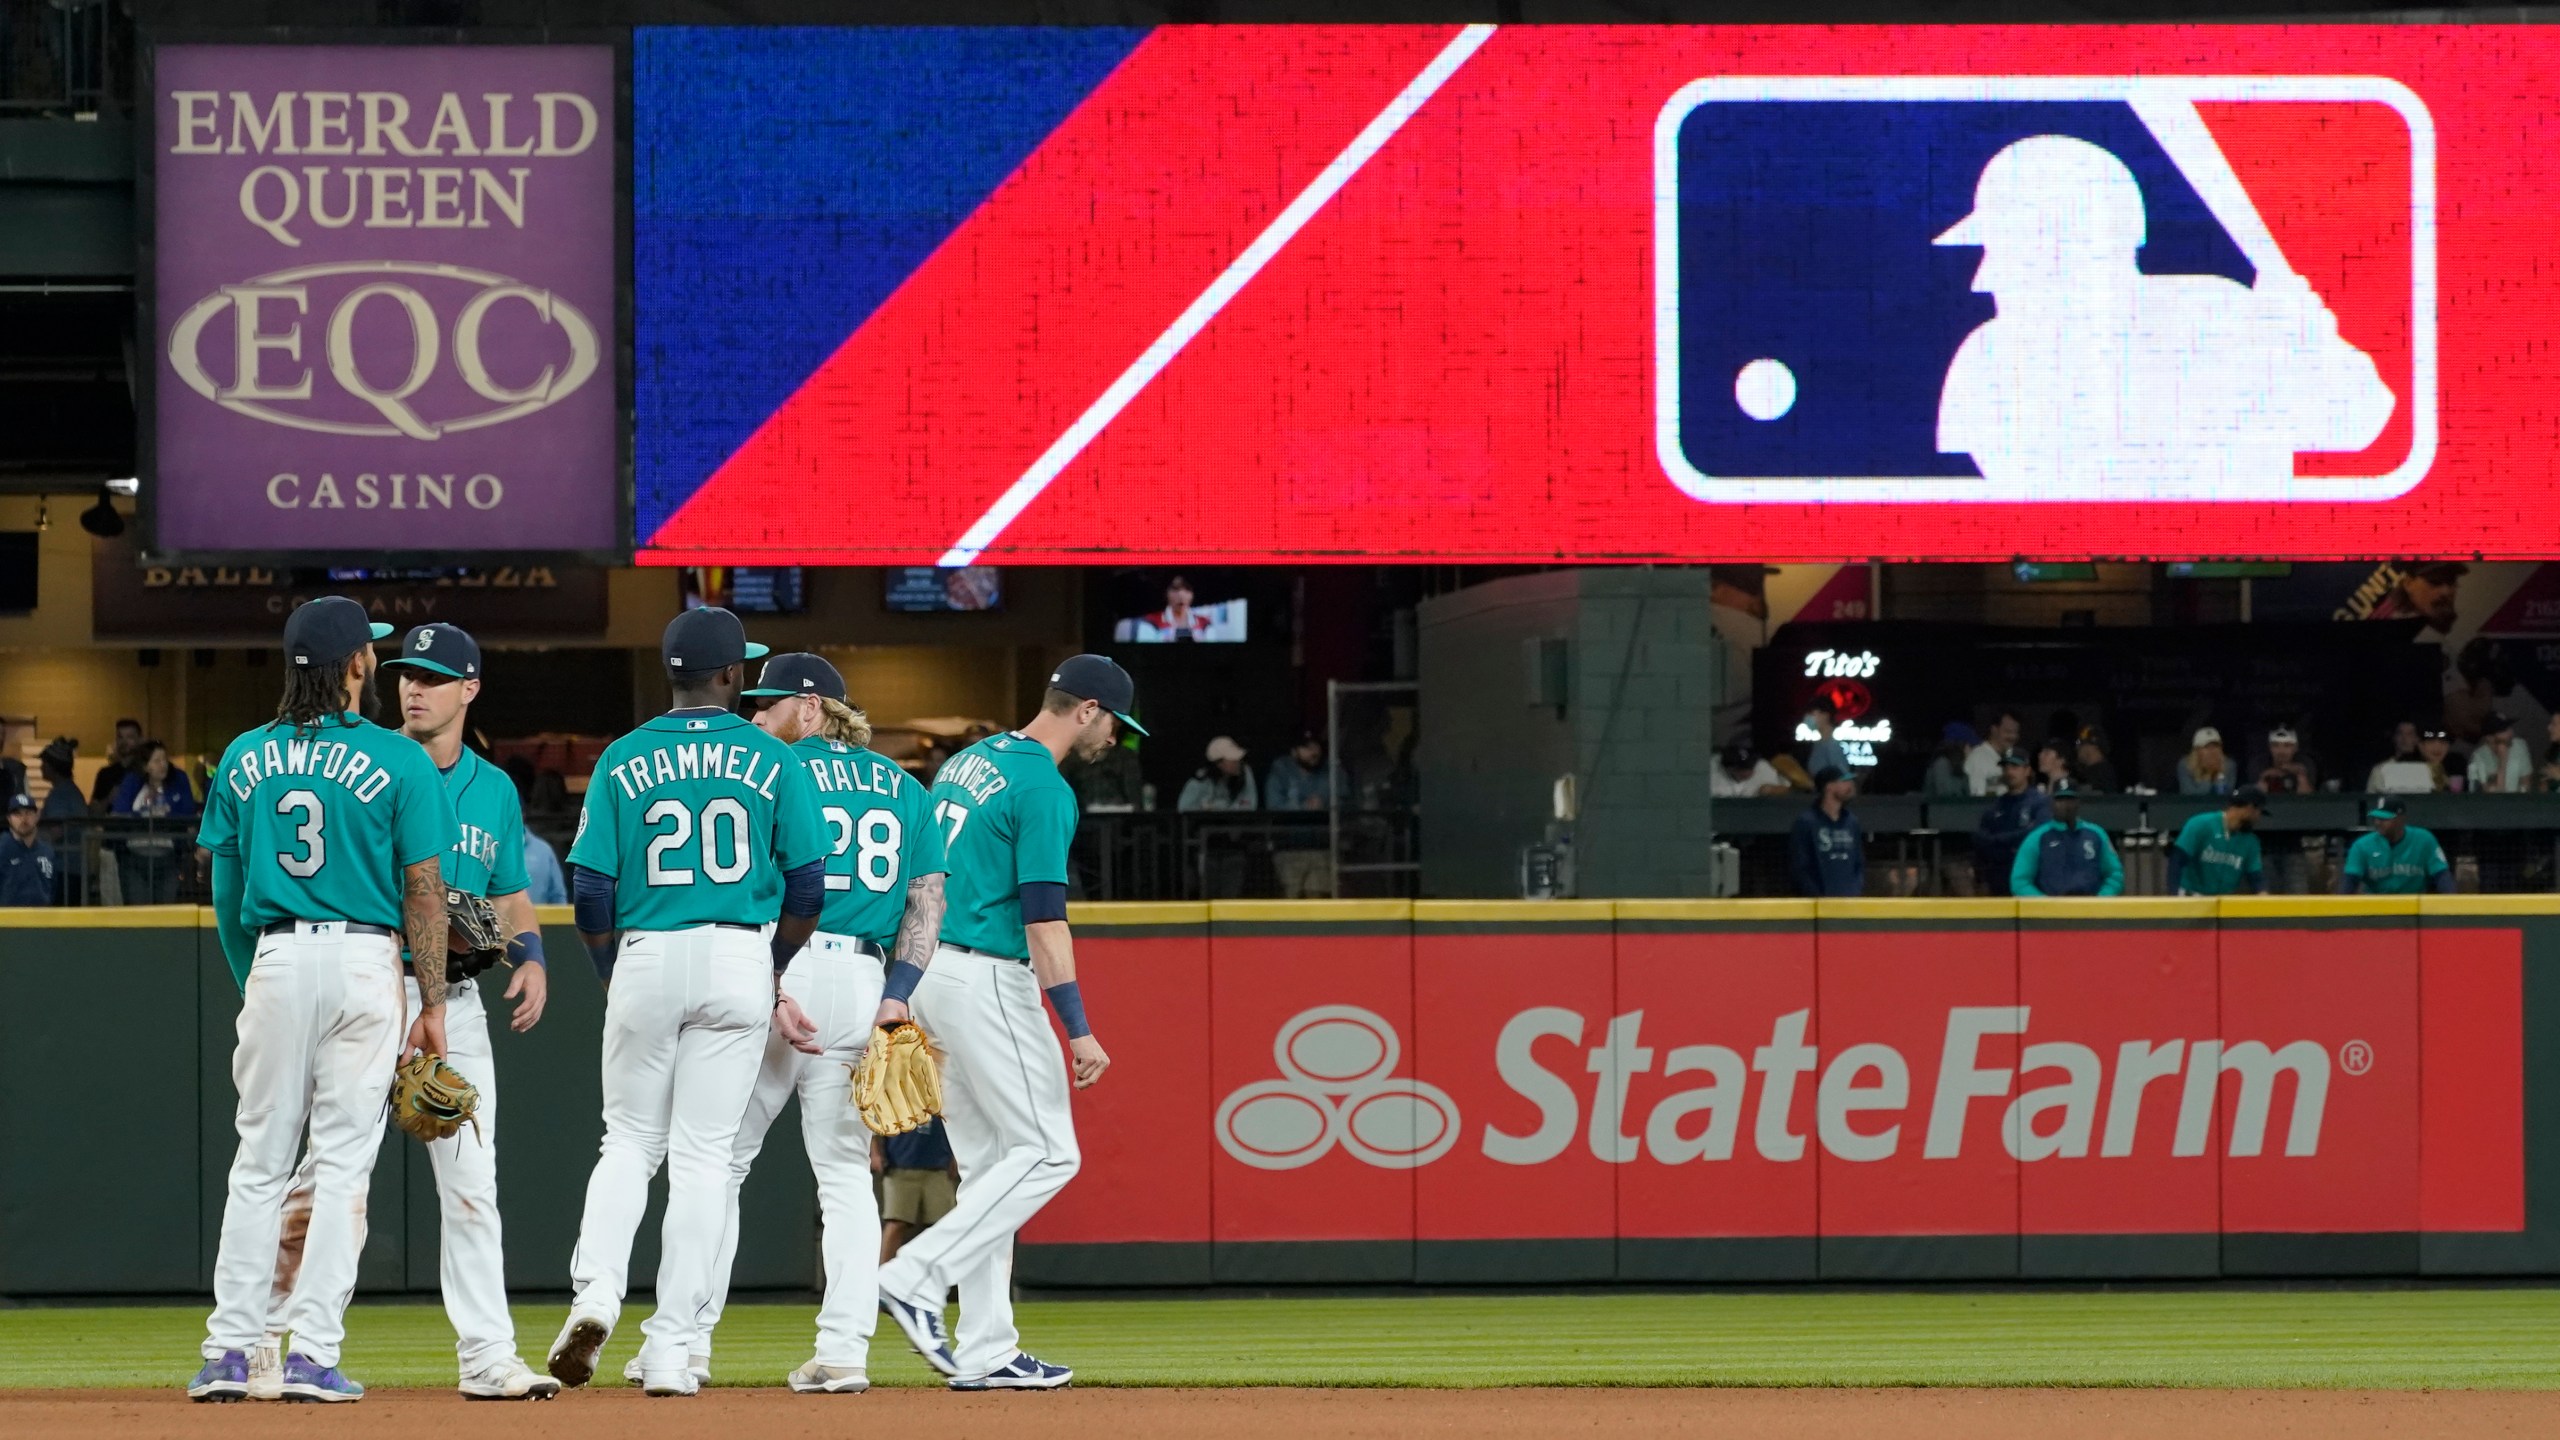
[(884, 883), (700, 830), (326, 832)]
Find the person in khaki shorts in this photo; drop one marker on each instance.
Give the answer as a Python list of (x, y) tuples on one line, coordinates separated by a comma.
[(917, 1183)]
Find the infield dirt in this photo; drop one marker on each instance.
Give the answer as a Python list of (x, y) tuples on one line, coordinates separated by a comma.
[(1277, 1414)]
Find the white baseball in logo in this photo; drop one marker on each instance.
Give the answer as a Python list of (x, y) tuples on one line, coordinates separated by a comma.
[(1338, 1086)]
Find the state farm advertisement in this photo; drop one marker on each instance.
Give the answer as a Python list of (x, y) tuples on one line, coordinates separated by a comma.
[(383, 284), (2097, 1081)]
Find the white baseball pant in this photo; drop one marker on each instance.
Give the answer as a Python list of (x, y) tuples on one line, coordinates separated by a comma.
[(320, 1028), (1004, 1103), (684, 1031), (472, 1261), (839, 986)]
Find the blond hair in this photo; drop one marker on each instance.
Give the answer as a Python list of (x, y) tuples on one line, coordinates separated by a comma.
[(843, 723)]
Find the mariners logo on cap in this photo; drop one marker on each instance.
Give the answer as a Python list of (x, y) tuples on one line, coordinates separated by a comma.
[(2029, 288)]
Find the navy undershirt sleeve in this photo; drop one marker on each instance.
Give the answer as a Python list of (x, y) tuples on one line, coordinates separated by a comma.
[(804, 891), (1043, 900)]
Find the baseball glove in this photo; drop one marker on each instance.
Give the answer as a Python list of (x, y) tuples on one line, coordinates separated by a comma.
[(431, 1100), (897, 1087), (473, 937)]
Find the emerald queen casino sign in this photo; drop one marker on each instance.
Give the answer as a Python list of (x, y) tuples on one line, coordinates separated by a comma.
[(1623, 293)]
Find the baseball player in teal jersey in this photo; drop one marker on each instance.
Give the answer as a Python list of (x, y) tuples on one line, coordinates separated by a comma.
[(2216, 853), (700, 830), (439, 669), (884, 889), (1006, 818), (2394, 857), (326, 834)]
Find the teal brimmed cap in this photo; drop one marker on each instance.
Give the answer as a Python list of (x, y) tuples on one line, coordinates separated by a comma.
[(2386, 807), (704, 641), (328, 630), (1099, 677), (799, 673), (443, 649)]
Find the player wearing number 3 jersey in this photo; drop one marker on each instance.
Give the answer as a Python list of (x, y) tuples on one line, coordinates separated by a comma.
[(326, 833), (700, 830), (884, 890), (1007, 818)]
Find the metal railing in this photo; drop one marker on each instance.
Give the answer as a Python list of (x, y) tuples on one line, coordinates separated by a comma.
[(71, 57)]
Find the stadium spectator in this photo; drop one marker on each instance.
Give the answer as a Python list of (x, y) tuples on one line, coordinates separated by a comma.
[(1740, 774), (1111, 783), (28, 872), (2092, 773), (2394, 857), (121, 762), (2435, 747), (2206, 770), (1945, 778), (1827, 851), (2064, 857), (2549, 779), (2404, 771), (1298, 782), (2502, 765), (2216, 852), (13, 775), (1827, 752), (1982, 762), (1222, 784), (63, 801), (2006, 822), (2287, 771), (918, 1182), (2053, 765), (153, 789)]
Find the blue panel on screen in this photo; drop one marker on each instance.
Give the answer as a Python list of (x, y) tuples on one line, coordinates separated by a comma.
[(1805, 237), (784, 183)]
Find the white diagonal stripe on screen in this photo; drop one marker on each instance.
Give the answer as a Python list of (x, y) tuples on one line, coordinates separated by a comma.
[(1196, 316)]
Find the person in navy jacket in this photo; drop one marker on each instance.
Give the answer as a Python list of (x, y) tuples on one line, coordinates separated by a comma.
[(1827, 851)]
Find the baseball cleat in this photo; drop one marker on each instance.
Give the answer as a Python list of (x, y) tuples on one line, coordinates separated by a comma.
[(266, 1371), (669, 1382), (1022, 1372), (924, 1331), (308, 1380), (820, 1378), (573, 1355), (223, 1379), (700, 1365), (508, 1379)]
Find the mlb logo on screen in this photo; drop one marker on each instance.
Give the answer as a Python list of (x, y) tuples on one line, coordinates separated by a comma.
[(2038, 288)]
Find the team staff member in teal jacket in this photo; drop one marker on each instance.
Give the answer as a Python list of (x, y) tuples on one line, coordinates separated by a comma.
[(2394, 857), (2215, 853), (2064, 857)]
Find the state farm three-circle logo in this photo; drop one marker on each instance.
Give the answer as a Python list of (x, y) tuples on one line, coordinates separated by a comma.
[(1338, 1086)]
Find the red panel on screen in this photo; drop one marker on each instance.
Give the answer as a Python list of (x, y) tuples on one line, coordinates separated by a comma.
[(1461, 353)]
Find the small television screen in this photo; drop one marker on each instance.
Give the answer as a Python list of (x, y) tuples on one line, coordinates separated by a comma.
[(928, 589), (748, 589), (1178, 611), (17, 571)]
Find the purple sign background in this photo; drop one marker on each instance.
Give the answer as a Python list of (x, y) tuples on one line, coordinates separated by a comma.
[(384, 309)]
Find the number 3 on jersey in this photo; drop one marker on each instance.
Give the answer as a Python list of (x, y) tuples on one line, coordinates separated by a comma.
[(315, 851), (723, 857), (874, 841)]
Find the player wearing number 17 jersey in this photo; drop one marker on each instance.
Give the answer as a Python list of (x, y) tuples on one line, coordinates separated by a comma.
[(699, 831), (884, 896), (326, 833)]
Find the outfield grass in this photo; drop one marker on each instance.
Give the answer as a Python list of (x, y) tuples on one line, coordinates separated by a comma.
[(2504, 1338)]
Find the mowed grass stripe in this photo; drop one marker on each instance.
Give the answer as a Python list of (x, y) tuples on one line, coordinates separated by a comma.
[(2503, 1338)]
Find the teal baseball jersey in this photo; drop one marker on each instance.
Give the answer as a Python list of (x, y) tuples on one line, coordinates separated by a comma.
[(2408, 868), (696, 815), (323, 822), (880, 824), (2217, 863), (488, 859), (1007, 817)]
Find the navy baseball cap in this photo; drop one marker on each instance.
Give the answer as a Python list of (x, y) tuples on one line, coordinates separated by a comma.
[(2249, 795), (699, 642), (2013, 757), (1830, 774), (2065, 790), (1099, 677), (443, 649), (21, 801), (799, 673), (328, 630), (2386, 807)]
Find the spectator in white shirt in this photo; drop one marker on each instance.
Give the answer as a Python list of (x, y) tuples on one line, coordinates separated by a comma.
[(2502, 765), (1982, 762), (1740, 774)]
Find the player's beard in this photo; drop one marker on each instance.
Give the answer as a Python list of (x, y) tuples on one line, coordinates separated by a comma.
[(1095, 740), (369, 698)]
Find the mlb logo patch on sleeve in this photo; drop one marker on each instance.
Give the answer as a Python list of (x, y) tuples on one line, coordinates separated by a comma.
[(2025, 289)]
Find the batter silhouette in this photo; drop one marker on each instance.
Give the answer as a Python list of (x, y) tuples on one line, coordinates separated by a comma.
[(2096, 377)]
